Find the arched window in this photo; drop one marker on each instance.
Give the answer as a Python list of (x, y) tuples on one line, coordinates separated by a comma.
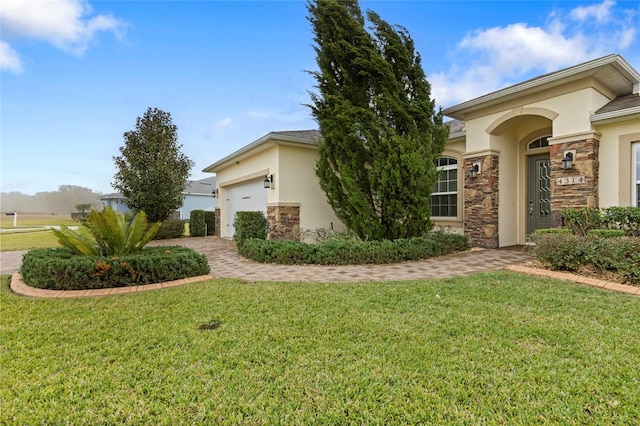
[(444, 198), (542, 142)]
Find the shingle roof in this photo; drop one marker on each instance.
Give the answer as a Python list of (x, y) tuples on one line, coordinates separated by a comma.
[(621, 102), (455, 126), (202, 186), (313, 135)]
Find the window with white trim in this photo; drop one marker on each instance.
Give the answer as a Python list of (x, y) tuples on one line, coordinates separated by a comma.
[(635, 174), (444, 198)]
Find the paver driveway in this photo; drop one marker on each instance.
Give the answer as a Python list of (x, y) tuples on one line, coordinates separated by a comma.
[(224, 261)]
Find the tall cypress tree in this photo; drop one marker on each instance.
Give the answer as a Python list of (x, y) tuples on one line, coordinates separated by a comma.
[(381, 132)]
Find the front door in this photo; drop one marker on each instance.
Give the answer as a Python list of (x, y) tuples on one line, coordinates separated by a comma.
[(538, 193)]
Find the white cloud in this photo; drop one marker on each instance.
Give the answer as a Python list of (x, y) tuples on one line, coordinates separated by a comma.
[(223, 124), (600, 12), (9, 59), (66, 24), (497, 57)]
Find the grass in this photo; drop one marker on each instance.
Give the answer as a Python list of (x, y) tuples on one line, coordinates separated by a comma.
[(493, 348), (28, 240), (29, 233), (36, 220)]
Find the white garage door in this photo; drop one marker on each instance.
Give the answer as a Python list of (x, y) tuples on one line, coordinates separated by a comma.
[(245, 197)]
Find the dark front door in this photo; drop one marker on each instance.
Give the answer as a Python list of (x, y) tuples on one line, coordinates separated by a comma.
[(538, 193)]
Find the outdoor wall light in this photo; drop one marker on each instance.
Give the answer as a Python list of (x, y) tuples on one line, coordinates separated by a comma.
[(214, 193), (268, 181), (567, 161), (475, 169)]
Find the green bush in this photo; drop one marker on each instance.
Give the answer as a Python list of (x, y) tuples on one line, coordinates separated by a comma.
[(210, 221), (249, 225), (581, 220), (607, 233), (553, 231), (197, 223), (624, 218), (570, 252), (170, 229), (61, 269), (348, 251)]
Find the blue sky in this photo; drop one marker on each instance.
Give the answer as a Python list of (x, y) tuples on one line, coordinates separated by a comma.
[(75, 74)]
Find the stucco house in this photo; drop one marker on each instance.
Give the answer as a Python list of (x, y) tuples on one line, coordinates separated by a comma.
[(514, 160), (198, 195)]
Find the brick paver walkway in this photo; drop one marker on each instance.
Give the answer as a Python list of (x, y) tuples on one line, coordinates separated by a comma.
[(225, 263)]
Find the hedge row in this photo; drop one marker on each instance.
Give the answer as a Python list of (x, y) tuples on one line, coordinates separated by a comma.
[(202, 222), (59, 269), (560, 251), (170, 228), (352, 251)]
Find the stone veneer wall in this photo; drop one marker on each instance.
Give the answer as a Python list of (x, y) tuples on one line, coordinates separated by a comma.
[(217, 232), (283, 222), (481, 201), (585, 163)]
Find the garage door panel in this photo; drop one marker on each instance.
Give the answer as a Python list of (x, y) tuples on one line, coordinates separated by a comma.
[(249, 196)]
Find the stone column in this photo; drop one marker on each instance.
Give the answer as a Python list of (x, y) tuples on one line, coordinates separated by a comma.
[(217, 233), (283, 222), (481, 200), (585, 164)]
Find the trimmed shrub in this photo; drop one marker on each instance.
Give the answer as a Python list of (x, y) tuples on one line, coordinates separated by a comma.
[(559, 251), (581, 220), (210, 222), (197, 223), (60, 269), (249, 225), (607, 233), (343, 251), (553, 231), (170, 229), (570, 252), (624, 218)]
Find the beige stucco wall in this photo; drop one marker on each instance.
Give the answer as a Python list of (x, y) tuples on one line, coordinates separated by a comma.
[(616, 162), (507, 128), (245, 170), (295, 183), (299, 185)]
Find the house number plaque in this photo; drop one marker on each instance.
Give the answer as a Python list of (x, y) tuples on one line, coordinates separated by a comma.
[(572, 180)]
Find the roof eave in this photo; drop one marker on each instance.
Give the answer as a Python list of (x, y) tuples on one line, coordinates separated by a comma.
[(270, 137), (549, 80), (626, 114)]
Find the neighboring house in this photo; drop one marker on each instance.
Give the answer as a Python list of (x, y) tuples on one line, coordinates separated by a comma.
[(115, 201), (502, 169), (198, 195)]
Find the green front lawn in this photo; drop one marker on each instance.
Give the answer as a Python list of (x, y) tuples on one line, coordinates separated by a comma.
[(494, 348), (27, 240)]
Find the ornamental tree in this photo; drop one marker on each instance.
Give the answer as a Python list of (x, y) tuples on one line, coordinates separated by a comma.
[(151, 172), (381, 131)]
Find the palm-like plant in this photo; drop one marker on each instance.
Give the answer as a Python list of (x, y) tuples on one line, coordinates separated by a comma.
[(109, 234)]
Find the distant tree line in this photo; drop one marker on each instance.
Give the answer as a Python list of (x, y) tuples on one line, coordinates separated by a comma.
[(64, 200)]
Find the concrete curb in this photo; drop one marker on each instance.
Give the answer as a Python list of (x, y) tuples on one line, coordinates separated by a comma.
[(20, 287), (566, 276)]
